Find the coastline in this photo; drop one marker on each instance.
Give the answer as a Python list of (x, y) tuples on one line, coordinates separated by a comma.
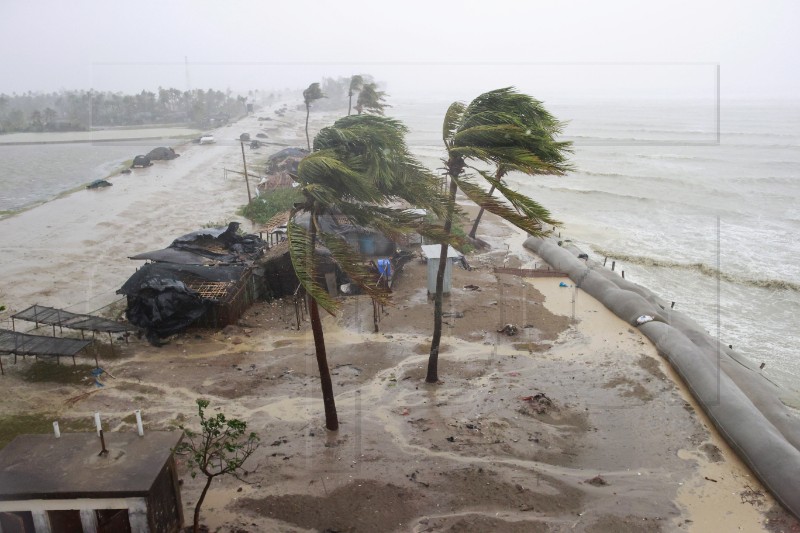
[(99, 136), (618, 412)]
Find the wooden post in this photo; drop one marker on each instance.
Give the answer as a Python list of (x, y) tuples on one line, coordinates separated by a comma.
[(246, 179), (623, 274), (613, 264)]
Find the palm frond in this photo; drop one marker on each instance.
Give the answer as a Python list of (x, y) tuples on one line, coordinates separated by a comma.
[(306, 267), (313, 92), (370, 99), (352, 264), (356, 82), (529, 217), (524, 204), (452, 121)]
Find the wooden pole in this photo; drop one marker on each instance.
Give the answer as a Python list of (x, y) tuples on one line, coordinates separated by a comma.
[(246, 179)]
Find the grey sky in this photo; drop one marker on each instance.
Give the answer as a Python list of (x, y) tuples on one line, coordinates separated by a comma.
[(448, 48)]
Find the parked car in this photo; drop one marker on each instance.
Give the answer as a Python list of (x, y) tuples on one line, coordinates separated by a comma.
[(207, 139)]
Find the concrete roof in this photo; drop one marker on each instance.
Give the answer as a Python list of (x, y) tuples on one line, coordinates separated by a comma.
[(44, 467), (433, 251)]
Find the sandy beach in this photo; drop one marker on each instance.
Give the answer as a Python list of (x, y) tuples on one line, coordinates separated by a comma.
[(574, 424)]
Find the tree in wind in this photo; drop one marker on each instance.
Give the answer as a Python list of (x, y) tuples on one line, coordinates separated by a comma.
[(314, 92), (359, 167), (495, 128), (356, 84), (370, 100)]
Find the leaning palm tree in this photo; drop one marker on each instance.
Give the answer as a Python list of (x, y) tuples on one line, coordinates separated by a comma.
[(314, 92), (494, 129), (370, 100), (358, 167), (356, 84), (542, 124)]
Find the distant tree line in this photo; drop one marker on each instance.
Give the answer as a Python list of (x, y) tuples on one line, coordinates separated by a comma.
[(339, 91), (81, 110)]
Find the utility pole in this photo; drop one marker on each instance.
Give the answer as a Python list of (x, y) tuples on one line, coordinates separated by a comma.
[(246, 180)]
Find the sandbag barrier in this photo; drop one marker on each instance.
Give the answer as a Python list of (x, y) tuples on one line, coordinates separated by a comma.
[(743, 405)]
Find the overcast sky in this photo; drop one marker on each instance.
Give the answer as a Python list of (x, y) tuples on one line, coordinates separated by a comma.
[(452, 49)]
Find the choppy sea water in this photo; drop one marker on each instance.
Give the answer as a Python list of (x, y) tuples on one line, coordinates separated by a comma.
[(705, 220)]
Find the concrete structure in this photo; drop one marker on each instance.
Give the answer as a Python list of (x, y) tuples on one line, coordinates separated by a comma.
[(65, 485), (432, 252)]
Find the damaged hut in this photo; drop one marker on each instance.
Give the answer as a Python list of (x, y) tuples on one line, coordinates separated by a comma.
[(279, 168), (207, 278)]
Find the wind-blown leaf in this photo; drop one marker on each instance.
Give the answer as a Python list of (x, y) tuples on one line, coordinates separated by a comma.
[(529, 219), (452, 121), (305, 263), (352, 264)]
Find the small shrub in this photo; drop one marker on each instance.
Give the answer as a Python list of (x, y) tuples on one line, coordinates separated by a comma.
[(270, 204)]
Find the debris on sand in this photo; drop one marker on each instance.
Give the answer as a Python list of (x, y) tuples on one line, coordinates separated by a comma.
[(597, 481), (539, 402), (509, 329)]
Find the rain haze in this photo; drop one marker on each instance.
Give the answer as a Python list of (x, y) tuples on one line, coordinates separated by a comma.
[(442, 49), (159, 166)]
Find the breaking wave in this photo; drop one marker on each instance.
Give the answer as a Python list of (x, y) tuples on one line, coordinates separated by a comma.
[(708, 270)]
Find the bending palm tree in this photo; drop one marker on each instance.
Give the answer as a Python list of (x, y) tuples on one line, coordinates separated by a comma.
[(356, 84), (494, 129), (370, 100), (309, 95), (359, 165), (540, 123)]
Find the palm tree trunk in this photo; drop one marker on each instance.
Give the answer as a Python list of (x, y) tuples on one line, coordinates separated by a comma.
[(433, 359), (478, 218), (308, 140), (349, 104), (331, 420), (202, 498)]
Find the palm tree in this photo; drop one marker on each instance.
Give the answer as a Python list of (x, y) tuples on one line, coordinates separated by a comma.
[(310, 95), (541, 123), (359, 165), (370, 100), (495, 129), (356, 84)]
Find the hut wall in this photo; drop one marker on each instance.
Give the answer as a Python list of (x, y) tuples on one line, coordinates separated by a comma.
[(232, 307), (279, 277), (165, 511)]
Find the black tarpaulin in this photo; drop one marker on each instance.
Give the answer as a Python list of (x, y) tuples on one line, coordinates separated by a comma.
[(165, 298)]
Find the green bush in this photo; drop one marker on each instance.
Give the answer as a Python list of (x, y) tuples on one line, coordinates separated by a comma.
[(270, 204)]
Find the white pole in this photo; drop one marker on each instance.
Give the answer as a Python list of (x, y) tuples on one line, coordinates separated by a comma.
[(97, 423), (139, 426), (56, 430)]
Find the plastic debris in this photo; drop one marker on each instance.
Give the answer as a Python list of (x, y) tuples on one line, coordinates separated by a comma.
[(644, 319)]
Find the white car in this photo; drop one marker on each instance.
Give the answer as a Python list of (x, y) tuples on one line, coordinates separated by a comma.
[(207, 139)]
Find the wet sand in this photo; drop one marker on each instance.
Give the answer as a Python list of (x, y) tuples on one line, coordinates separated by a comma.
[(614, 444)]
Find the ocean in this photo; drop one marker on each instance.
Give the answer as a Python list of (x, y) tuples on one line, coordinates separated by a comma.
[(704, 217)]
